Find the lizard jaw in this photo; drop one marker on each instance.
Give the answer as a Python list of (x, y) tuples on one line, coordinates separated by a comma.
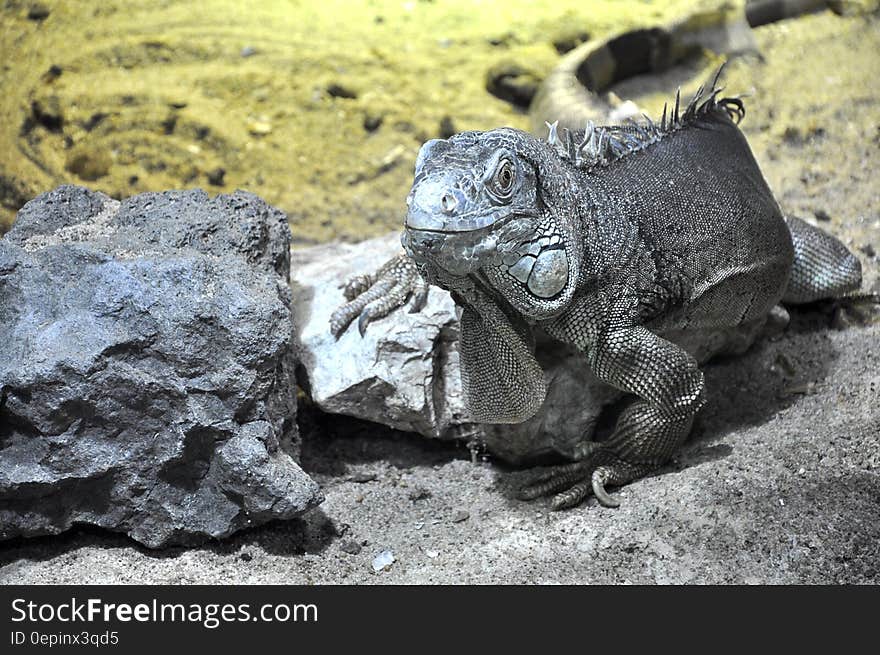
[(457, 253)]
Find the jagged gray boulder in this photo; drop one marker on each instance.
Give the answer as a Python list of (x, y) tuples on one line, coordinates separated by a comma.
[(404, 372), (146, 370)]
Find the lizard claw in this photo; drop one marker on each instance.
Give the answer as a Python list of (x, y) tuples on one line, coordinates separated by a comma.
[(363, 321), (370, 297), (419, 295), (598, 484), (859, 308)]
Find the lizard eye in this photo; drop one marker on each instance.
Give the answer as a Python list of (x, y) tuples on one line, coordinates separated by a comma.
[(503, 180)]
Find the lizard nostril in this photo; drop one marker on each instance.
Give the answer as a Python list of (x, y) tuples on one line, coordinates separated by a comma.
[(448, 203)]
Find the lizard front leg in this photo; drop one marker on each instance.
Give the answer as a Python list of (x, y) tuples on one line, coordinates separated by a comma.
[(372, 296), (669, 389)]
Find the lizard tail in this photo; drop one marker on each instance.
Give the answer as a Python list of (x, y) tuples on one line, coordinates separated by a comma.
[(823, 267)]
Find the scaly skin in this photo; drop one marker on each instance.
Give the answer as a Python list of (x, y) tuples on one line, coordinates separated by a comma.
[(648, 247)]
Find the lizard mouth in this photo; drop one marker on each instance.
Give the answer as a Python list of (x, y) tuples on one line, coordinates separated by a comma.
[(471, 223)]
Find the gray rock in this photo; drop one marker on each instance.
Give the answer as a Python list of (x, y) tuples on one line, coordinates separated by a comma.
[(404, 372), (146, 367)]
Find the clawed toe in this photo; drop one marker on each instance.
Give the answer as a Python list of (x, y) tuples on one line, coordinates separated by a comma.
[(552, 480), (355, 286), (571, 484), (571, 497), (419, 296)]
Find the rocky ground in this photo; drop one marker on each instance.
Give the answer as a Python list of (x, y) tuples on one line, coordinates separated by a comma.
[(781, 481)]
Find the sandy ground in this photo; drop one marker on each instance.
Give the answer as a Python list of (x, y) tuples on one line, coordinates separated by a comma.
[(781, 480)]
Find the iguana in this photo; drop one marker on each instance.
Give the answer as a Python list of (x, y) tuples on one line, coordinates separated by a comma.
[(649, 247)]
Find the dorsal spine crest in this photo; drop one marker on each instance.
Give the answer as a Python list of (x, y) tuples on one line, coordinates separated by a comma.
[(601, 145)]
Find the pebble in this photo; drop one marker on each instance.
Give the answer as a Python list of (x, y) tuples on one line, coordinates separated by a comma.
[(38, 11), (786, 365), (340, 91), (419, 493), (215, 176), (372, 122), (259, 128), (351, 547), (383, 561), (460, 515)]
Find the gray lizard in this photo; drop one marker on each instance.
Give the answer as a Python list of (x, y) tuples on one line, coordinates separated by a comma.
[(649, 247)]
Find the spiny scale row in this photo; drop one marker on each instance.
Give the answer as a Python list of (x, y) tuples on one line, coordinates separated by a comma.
[(601, 145)]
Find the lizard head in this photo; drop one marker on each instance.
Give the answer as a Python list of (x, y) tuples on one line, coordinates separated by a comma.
[(479, 212)]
